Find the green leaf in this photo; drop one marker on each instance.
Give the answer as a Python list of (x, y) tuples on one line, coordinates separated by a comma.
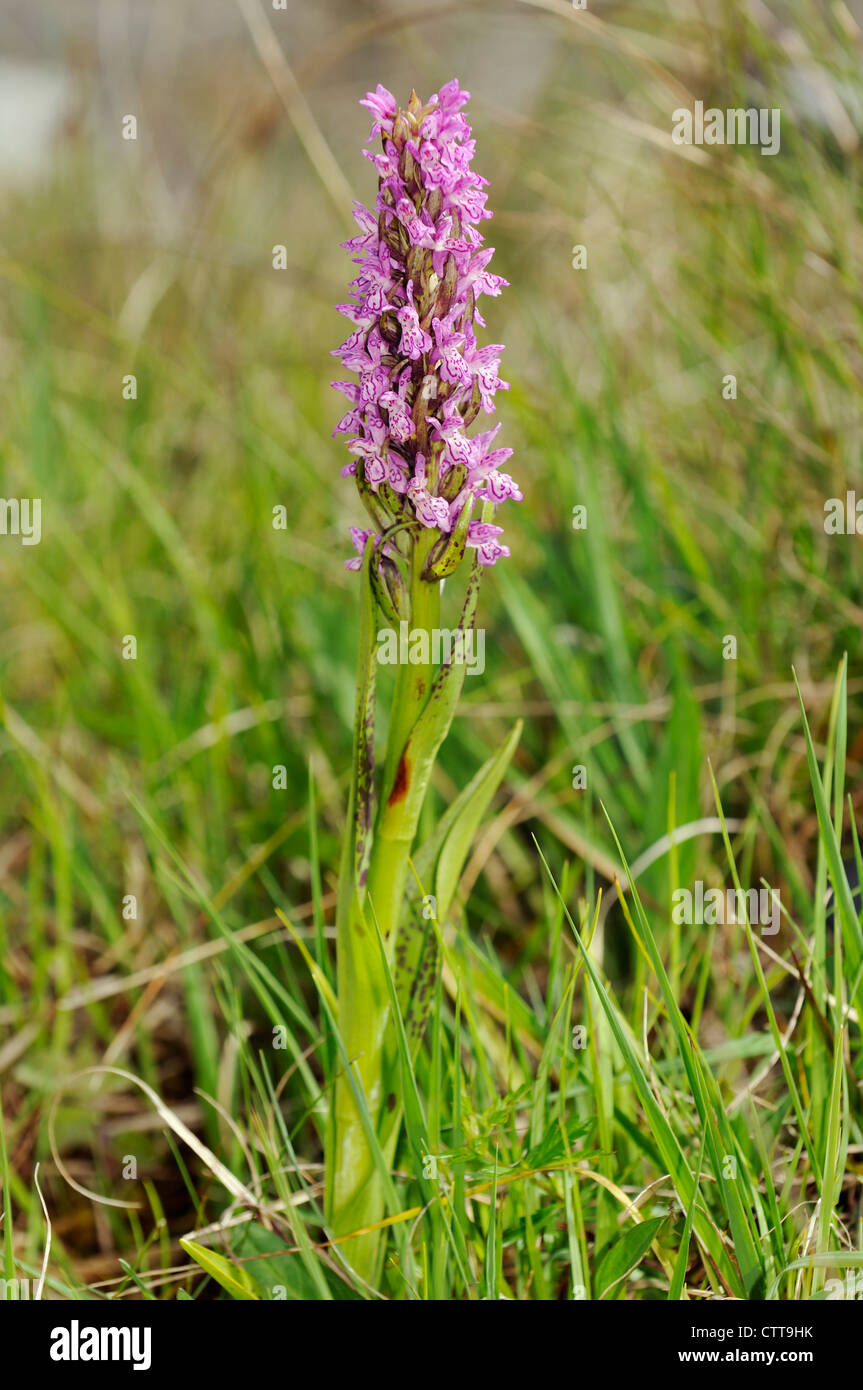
[(470, 809), (738, 1197), (822, 1259), (400, 816), (416, 1128), (667, 1142), (138, 1281), (852, 934), (362, 784), (441, 860), (233, 1279), (275, 1271), (625, 1254), (552, 1147), (8, 1248), (678, 1278), (447, 554)]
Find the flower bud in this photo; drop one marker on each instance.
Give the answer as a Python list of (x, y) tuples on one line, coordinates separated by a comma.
[(401, 130), (390, 590), (390, 327)]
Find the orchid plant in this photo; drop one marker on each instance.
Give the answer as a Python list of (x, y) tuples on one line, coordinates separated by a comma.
[(431, 491)]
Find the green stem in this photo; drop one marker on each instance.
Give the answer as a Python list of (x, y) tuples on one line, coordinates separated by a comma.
[(413, 682), (388, 868), (355, 1186)]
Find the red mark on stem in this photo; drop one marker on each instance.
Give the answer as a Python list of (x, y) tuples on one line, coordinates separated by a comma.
[(402, 782)]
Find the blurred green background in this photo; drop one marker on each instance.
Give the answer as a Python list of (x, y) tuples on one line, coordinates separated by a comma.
[(154, 258)]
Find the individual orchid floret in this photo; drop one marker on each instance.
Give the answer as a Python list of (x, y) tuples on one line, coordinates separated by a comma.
[(482, 537), (414, 340)]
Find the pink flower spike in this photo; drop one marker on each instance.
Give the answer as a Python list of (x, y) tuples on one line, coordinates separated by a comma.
[(421, 372)]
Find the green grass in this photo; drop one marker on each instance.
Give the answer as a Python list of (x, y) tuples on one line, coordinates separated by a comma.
[(706, 1139)]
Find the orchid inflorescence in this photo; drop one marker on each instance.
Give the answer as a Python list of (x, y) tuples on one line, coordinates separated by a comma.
[(423, 378)]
